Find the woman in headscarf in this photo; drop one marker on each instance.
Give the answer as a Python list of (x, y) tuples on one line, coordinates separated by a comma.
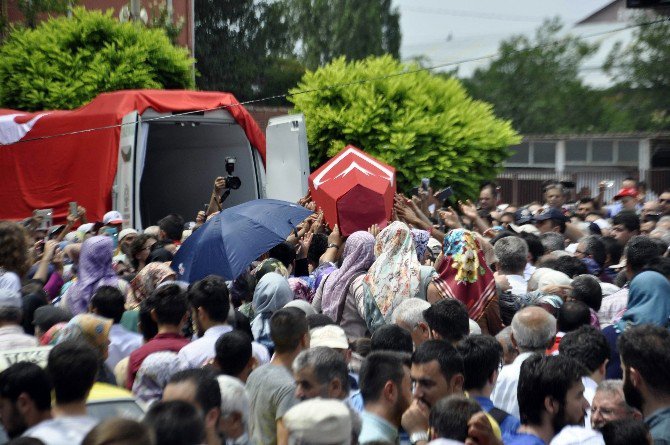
[(94, 270), (154, 375), (271, 294), (421, 238), (648, 302), (395, 275), (341, 289), (149, 278), (465, 276)]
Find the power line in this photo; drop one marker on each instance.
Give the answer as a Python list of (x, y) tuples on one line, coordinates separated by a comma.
[(341, 85)]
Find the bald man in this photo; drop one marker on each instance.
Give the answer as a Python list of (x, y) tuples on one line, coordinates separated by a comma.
[(533, 331)]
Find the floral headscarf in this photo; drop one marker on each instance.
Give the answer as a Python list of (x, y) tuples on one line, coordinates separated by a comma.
[(393, 277), (147, 281), (92, 328), (357, 257), (300, 289), (463, 273), (95, 270), (269, 265), (421, 238), (154, 375)]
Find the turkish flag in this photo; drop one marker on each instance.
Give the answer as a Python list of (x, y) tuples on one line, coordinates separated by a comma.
[(354, 190)]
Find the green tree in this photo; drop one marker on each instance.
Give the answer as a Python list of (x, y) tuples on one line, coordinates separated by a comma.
[(354, 29), (422, 124), (31, 8), (535, 83), (66, 62), (244, 47)]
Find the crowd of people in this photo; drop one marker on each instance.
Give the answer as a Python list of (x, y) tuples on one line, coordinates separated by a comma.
[(456, 322)]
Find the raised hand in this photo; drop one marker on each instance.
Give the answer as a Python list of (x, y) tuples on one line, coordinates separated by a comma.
[(450, 218), (219, 185)]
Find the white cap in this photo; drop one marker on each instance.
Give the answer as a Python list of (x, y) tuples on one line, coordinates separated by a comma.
[(10, 299), (330, 336), (126, 232), (302, 305), (602, 223), (319, 421), (112, 217), (85, 228)]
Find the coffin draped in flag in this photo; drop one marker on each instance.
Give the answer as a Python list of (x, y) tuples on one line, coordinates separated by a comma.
[(354, 190)]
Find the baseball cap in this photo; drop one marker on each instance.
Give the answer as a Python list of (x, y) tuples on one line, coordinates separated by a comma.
[(551, 213), (626, 191), (523, 216), (112, 217), (330, 336), (10, 299), (319, 421), (126, 232)]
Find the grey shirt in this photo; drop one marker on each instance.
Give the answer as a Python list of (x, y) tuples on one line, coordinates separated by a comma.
[(659, 426), (271, 393)]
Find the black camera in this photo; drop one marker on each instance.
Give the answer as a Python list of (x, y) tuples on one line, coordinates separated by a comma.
[(232, 182)]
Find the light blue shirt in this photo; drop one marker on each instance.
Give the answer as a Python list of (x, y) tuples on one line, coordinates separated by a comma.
[(376, 429)]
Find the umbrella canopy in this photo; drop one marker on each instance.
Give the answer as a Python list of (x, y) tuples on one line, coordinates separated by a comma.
[(354, 190), (226, 244)]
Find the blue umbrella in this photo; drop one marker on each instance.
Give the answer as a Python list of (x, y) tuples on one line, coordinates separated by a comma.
[(226, 244)]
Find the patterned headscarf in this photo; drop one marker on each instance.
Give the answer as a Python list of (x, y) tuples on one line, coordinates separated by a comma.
[(463, 273), (89, 327), (50, 337), (421, 238), (300, 289), (154, 375), (95, 270), (395, 274), (357, 257), (271, 293), (269, 265), (147, 281)]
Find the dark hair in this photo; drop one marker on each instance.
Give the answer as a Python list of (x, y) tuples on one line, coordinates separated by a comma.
[(482, 356), (361, 346), (586, 288), (29, 378), (287, 327), (72, 366), (660, 265), (571, 266), (640, 251), (318, 320), (647, 348), (119, 431), (628, 219), (572, 315), (377, 369), (283, 252), (613, 249), (449, 359), (207, 391), (317, 248), (449, 318), (147, 326), (535, 247), (211, 294), (25, 441), (233, 351), (587, 201), (541, 377), (326, 363), (391, 337), (594, 246), (169, 303), (587, 345), (625, 432), (108, 301), (175, 423), (450, 415), (173, 226), (137, 246), (159, 255), (240, 322)]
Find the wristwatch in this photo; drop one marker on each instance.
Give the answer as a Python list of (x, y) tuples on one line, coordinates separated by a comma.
[(417, 437), (333, 245)]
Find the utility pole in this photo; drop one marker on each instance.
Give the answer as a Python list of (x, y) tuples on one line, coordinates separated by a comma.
[(135, 9)]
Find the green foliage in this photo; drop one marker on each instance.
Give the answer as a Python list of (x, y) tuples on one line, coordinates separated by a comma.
[(161, 18), (422, 124), (535, 84), (31, 8), (66, 62)]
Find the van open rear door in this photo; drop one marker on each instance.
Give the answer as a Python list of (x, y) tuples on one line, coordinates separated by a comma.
[(286, 159)]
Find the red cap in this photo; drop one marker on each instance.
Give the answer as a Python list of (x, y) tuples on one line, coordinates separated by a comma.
[(626, 191)]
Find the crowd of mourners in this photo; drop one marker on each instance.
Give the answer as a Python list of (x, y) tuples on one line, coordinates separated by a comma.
[(455, 323)]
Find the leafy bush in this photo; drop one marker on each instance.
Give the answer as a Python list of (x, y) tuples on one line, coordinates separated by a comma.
[(66, 62), (423, 124)]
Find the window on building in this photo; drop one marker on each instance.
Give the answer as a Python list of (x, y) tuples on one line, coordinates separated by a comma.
[(575, 151), (520, 154), (544, 152), (602, 151), (628, 151)]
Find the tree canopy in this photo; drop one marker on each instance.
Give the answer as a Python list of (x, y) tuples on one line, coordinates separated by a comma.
[(65, 62), (423, 124)]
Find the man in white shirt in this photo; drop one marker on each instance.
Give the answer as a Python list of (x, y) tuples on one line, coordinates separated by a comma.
[(533, 331), (512, 255), (12, 335)]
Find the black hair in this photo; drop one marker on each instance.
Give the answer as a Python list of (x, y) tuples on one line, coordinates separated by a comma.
[(72, 367), (29, 378), (572, 315), (625, 432), (541, 377), (283, 252), (232, 352), (535, 247), (240, 322), (211, 294), (176, 423), (317, 248), (391, 337), (449, 318), (137, 246), (287, 328), (449, 359), (119, 431), (173, 226), (482, 356), (660, 265), (159, 255), (640, 251), (170, 304), (318, 320), (377, 369), (570, 266), (207, 391), (613, 249), (587, 345), (109, 302), (586, 288), (147, 326), (450, 415), (628, 219), (647, 348)]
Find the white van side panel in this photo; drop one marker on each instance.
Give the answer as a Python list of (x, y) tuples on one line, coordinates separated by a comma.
[(287, 158)]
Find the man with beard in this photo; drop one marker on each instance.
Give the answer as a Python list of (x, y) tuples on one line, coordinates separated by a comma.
[(551, 396), (645, 360), (25, 397)]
